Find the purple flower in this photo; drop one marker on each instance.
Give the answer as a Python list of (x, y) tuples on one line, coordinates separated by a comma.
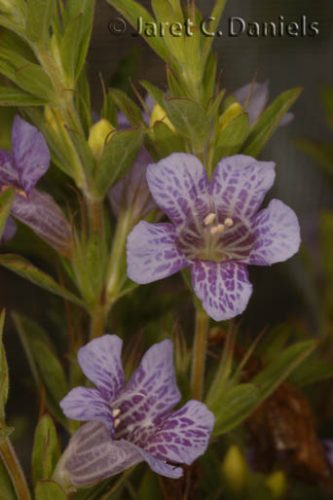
[(132, 192), (253, 97), (21, 168), (215, 229), (130, 422)]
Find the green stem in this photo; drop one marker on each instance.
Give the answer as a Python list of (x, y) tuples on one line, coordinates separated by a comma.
[(199, 353), (116, 266), (98, 320), (14, 470)]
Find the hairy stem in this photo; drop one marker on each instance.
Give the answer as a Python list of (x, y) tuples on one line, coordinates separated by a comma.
[(199, 353), (14, 470)]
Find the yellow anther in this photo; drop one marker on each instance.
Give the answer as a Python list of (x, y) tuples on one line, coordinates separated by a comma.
[(209, 219), (219, 229), (116, 413), (116, 422)]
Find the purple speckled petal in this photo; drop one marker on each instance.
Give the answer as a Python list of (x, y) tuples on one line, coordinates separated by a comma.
[(92, 456), (240, 184), (253, 97), (132, 192), (183, 436), (223, 288), (179, 186), (8, 173), (42, 214), (152, 253), (155, 381), (87, 404), (31, 154), (277, 234), (100, 361), (161, 467), (9, 231)]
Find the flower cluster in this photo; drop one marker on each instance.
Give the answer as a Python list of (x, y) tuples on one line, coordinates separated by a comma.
[(216, 229), (130, 422)]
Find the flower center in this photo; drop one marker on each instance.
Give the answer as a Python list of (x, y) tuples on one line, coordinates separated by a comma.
[(215, 238)]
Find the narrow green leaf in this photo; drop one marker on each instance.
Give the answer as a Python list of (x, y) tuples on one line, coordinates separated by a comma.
[(25, 74), (119, 154), (235, 406), (190, 120), (6, 201), (279, 370), (132, 12), (10, 96), (46, 450), (165, 13), (215, 22), (39, 14), (127, 106), (312, 371), (26, 270), (49, 490), (44, 364), (268, 122), (232, 137), (7, 491)]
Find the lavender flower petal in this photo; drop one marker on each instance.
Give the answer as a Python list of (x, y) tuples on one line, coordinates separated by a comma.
[(179, 186), (223, 288), (42, 214), (9, 231), (277, 234), (92, 456), (184, 435), (155, 379), (8, 173), (30, 152), (240, 184), (86, 404), (152, 253), (100, 361), (161, 467), (253, 97)]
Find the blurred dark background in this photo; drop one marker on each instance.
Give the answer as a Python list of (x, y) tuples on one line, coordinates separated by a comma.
[(283, 291)]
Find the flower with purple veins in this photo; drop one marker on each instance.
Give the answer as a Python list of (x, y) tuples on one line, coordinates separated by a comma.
[(253, 97), (130, 422), (21, 168), (216, 229)]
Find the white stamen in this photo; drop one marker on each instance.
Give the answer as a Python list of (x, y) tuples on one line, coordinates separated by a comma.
[(217, 229), (228, 222), (116, 413), (116, 423), (209, 219)]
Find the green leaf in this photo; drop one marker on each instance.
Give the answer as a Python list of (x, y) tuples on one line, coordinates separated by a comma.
[(10, 96), (127, 106), (232, 137), (4, 379), (39, 14), (119, 154), (46, 450), (49, 490), (28, 271), (234, 407), (7, 490), (164, 140), (6, 201), (75, 41), (164, 12), (132, 12), (268, 122), (27, 75), (216, 18), (279, 370), (44, 364), (190, 120), (311, 372)]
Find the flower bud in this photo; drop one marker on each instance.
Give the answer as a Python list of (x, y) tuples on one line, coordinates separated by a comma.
[(234, 469), (277, 484), (159, 115), (98, 136)]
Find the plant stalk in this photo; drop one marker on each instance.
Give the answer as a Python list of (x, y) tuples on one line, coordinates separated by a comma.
[(14, 470), (199, 353)]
